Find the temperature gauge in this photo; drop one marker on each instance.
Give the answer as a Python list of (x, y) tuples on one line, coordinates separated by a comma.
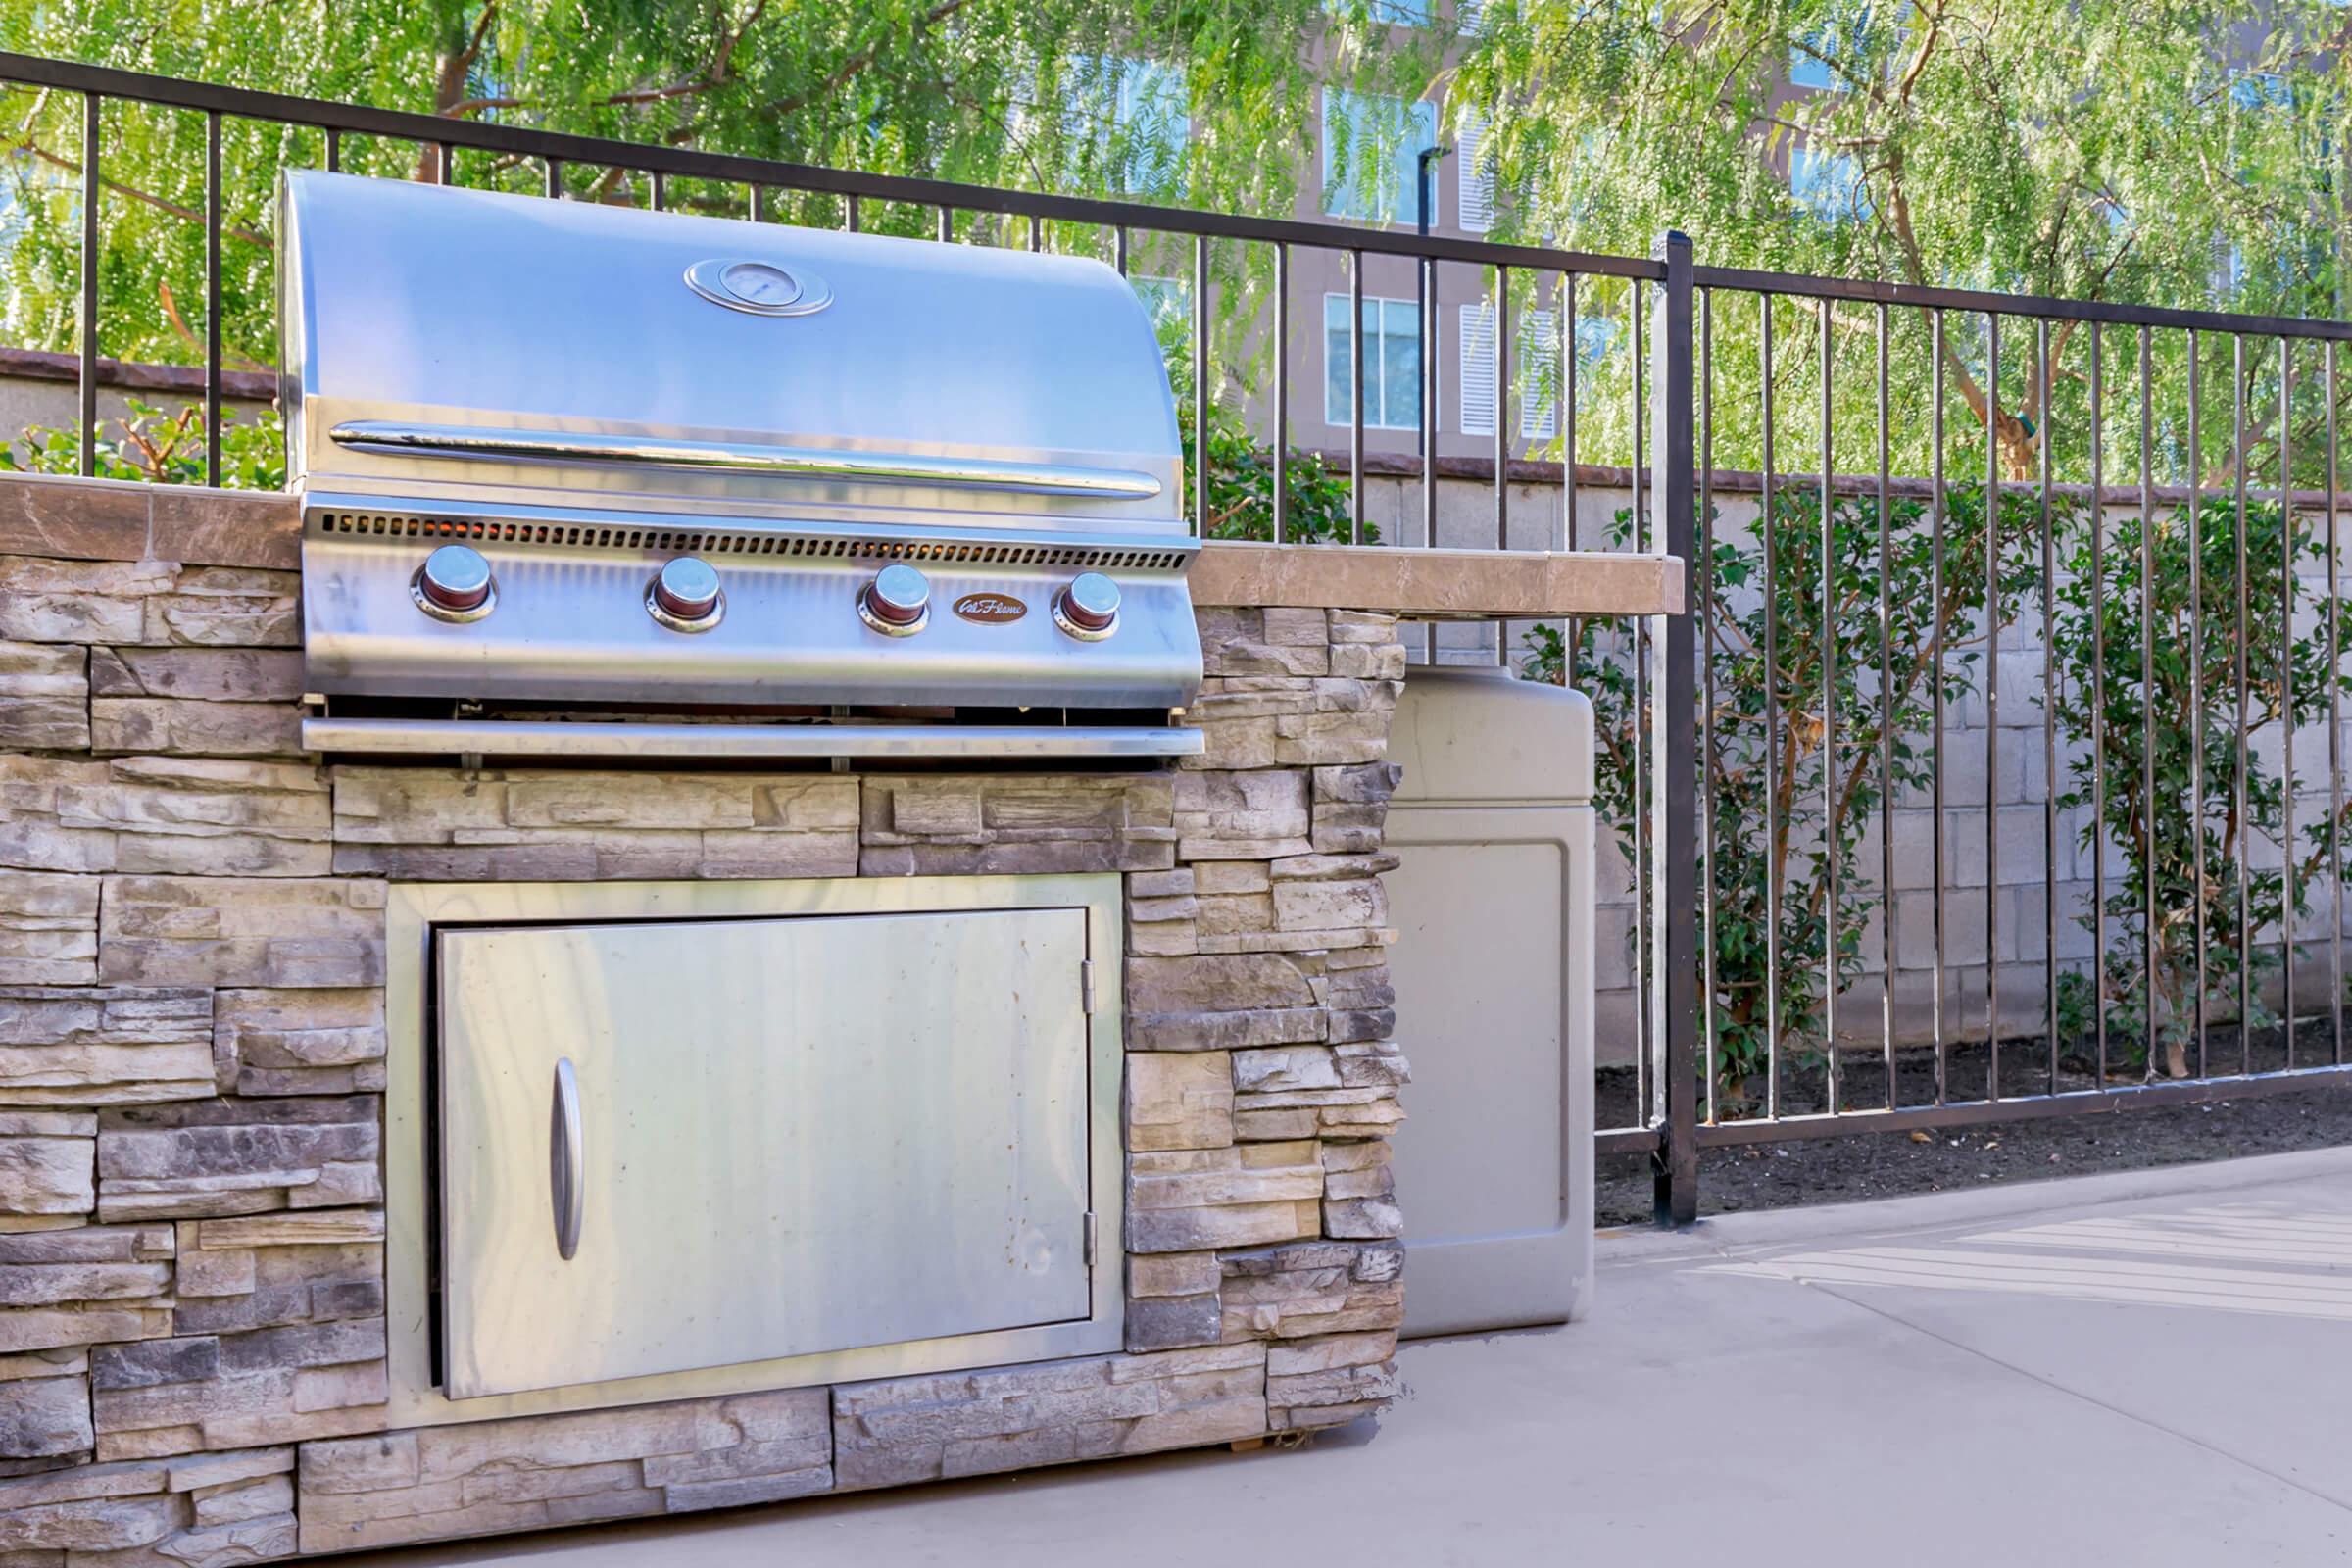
[(759, 288)]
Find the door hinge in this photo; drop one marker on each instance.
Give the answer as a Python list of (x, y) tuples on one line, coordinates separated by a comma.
[(1090, 1239), (1086, 986)]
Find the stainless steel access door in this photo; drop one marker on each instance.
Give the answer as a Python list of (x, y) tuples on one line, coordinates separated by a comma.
[(772, 1137)]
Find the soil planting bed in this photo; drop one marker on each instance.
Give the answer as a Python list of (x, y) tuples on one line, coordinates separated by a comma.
[(1859, 1165)]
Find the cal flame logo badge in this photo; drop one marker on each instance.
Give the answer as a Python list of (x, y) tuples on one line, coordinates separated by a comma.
[(991, 609)]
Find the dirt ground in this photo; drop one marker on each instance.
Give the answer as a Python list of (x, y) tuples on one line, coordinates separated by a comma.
[(1846, 1168)]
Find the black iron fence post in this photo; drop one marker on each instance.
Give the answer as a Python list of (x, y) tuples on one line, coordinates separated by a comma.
[(1674, 747)]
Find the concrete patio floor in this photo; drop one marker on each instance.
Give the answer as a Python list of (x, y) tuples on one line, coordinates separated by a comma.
[(2147, 1368)]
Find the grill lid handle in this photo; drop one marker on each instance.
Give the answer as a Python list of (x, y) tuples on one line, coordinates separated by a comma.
[(499, 444)]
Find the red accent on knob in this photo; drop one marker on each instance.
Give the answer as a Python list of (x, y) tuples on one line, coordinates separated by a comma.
[(899, 595), (454, 578), (687, 588)]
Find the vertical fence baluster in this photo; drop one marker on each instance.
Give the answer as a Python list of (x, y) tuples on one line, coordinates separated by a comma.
[(1036, 233), (1568, 358), (1502, 411), (211, 297), (1673, 983), (2044, 374), (2149, 913), (1828, 729), (2286, 699), (1355, 397), (660, 191), (1646, 760), (1282, 390), (1935, 596), (2244, 847), (1992, 706), (1573, 629), (91, 153), (2336, 744), (1885, 727), (2097, 703), (1428, 330), (334, 149), (856, 218), (946, 225), (1199, 383), (553, 189), (1642, 501), (2197, 684), (1704, 634), (1502, 451), (1772, 720)]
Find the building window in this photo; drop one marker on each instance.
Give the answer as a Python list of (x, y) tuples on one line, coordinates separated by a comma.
[(1478, 370), (1811, 62), (1474, 174), (1535, 367), (1388, 12), (1169, 303), (2262, 90), (1392, 363), (1827, 58), (1371, 155), (1829, 185), (1139, 146)]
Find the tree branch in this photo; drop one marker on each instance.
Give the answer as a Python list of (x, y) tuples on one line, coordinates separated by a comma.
[(138, 195), (857, 62)]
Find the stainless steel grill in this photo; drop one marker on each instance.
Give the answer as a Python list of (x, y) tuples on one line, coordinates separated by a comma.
[(581, 480)]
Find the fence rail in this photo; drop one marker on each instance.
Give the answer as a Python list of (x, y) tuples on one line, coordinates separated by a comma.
[(2085, 714)]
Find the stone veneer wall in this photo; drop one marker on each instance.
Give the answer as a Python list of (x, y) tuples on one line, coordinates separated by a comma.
[(191, 1056)]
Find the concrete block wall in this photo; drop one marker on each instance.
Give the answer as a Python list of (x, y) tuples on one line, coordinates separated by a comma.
[(1998, 768)]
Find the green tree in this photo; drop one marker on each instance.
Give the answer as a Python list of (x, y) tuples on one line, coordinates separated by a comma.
[(1813, 706), (2184, 153), (1208, 103), (2168, 709)]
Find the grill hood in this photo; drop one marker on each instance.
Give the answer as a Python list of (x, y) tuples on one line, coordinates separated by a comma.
[(479, 347), (577, 396)]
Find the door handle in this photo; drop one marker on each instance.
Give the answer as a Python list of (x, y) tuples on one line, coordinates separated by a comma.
[(567, 1187)]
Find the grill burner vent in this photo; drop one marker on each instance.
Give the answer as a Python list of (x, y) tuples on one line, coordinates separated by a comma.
[(618, 536)]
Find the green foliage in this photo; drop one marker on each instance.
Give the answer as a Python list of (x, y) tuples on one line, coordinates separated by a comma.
[(1792, 792), (1241, 489), (1008, 92), (156, 448), (2169, 153), (1793, 795), (2204, 831)]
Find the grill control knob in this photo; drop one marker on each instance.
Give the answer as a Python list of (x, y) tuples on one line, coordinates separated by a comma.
[(684, 595), (897, 601), (454, 584), (1088, 607)]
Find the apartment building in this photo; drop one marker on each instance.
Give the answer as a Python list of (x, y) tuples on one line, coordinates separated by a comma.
[(1365, 166)]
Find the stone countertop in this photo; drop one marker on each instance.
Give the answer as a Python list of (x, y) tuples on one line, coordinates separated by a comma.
[(1439, 584), (106, 520)]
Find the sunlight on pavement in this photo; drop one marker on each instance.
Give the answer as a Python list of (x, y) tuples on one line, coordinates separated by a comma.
[(2209, 1252)]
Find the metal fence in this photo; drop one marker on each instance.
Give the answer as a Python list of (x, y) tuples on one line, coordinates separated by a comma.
[(1899, 505)]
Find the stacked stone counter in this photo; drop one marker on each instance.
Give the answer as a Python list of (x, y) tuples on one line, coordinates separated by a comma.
[(192, 1060)]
